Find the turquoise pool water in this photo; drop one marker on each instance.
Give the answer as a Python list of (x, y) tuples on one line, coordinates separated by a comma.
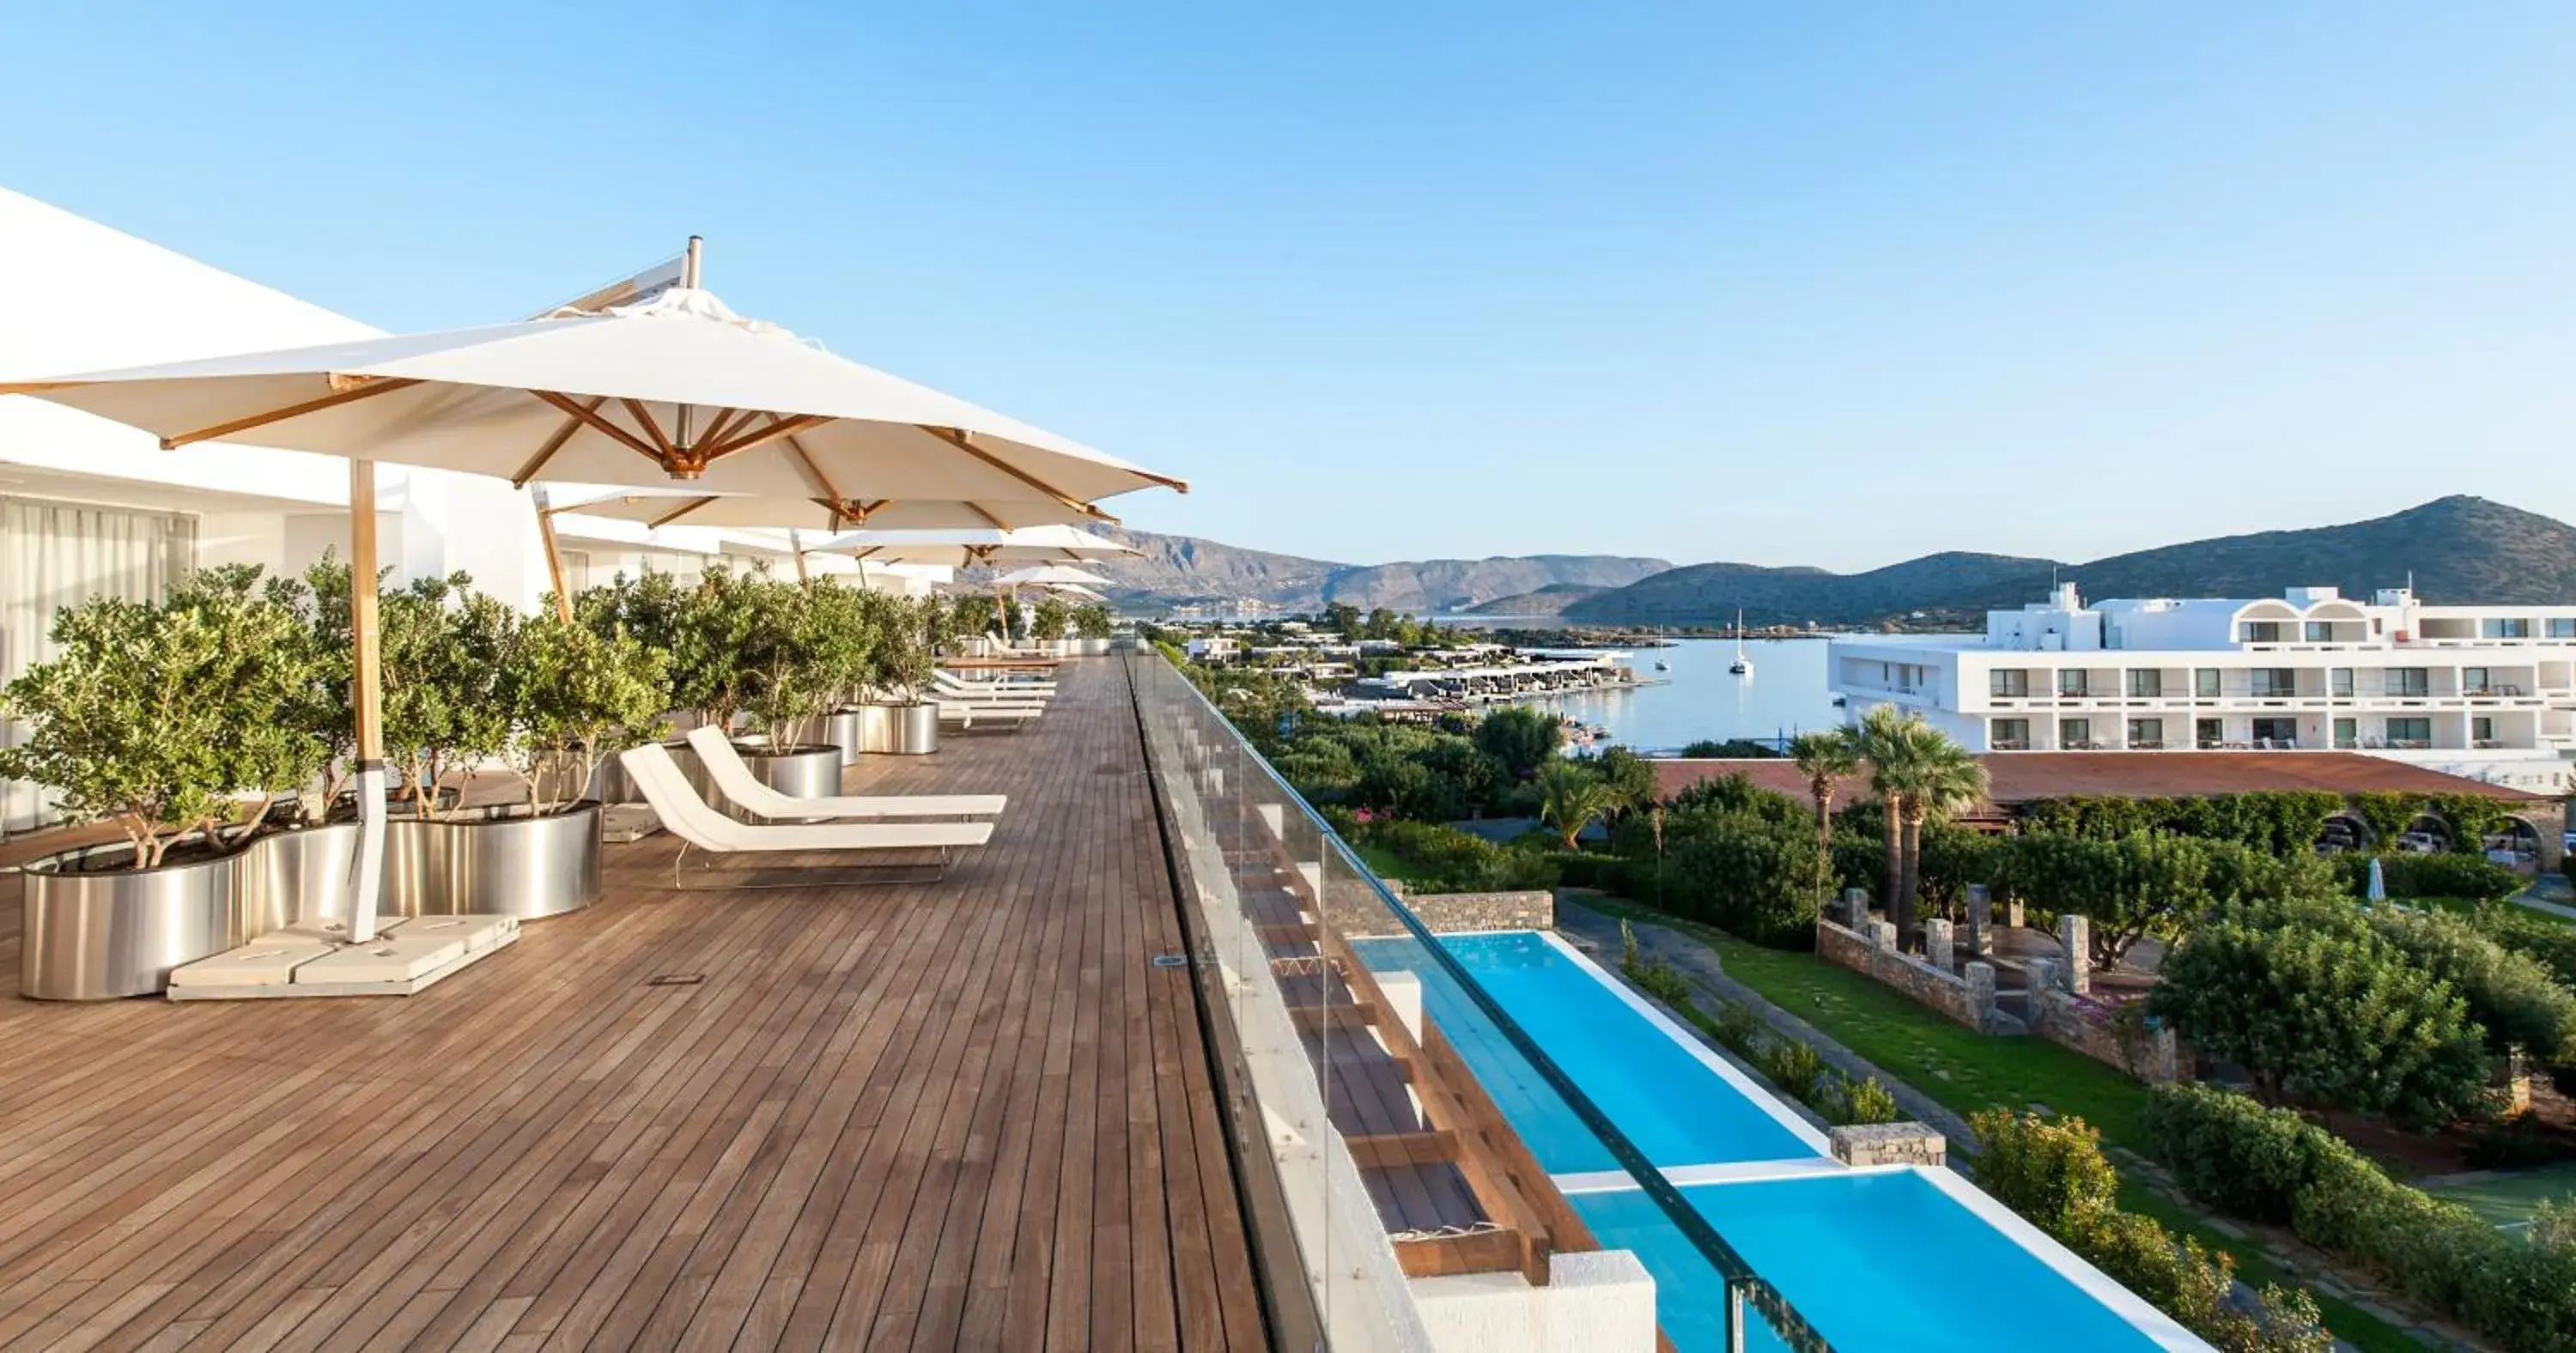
[(1877, 1260), (1673, 1106)]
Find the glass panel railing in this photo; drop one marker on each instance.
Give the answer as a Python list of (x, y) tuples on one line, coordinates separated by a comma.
[(1399, 1099)]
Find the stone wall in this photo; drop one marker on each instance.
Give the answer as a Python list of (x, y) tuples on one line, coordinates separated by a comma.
[(1449, 913), (1866, 1144), (2152, 1055), (1968, 999)]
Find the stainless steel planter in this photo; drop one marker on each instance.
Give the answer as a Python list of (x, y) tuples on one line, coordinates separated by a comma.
[(493, 861), (902, 730), (839, 728), (799, 773), (283, 874), (93, 937)]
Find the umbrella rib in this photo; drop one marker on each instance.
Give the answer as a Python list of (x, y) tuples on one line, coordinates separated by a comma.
[(784, 427), (956, 438), (553, 444), (727, 422), (371, 389), (624, 437), (693, 505), (644, 418), (815, 472)]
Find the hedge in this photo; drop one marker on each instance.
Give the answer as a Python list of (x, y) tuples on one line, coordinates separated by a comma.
[(2466, 876), (2271, 1165), (1447, 860), (2279, 821)]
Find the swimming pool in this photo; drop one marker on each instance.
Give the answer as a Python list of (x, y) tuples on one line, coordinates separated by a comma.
[(1876, 1259)]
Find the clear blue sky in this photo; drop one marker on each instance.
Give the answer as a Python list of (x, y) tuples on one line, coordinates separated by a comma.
[(1825, 284)]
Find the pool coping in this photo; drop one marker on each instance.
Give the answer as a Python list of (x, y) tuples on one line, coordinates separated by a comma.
[(1762, 1099)]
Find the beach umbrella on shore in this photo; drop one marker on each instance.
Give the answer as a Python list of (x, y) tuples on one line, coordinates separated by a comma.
[(675, 388)]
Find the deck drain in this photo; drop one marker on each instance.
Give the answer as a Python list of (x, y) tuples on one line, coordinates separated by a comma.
[(675, 979), (1171, 960)]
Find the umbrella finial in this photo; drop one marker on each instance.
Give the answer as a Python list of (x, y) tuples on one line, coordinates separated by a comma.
[(690, 262)]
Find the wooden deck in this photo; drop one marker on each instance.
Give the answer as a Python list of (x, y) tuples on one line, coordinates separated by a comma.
[(963, 1115)]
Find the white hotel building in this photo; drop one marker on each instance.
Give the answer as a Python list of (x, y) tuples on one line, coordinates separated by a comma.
[(2487, 692)]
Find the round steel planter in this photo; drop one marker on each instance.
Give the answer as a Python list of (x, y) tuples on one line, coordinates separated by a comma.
[(94, 937), (284, 874), (840, 728), (900, 730), (800, 772), (493, 861)]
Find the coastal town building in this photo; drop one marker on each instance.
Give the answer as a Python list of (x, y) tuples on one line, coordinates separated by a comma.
[(2482, 691)]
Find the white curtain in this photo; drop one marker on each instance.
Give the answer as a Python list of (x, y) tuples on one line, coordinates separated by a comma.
[(54, 555)]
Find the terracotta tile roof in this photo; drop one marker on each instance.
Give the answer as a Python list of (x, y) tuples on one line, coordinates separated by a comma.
[(2018, 777)]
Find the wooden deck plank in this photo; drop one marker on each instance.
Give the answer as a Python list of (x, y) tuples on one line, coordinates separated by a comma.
[(968, 1114)]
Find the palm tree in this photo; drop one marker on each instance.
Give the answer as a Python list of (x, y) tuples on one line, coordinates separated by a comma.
[(1572, 798), (1881, 740), (1824, 758), (1935, 777)]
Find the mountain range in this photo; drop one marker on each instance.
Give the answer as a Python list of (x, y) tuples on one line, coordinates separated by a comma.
[(2457, 549)]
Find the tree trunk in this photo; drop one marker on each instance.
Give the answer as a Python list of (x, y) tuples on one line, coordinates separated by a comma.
[(1910, 876), (1893, 807), (1824, 841)]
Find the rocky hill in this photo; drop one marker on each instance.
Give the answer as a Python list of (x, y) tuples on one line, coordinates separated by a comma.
[(2459, 549), (1185, 568)]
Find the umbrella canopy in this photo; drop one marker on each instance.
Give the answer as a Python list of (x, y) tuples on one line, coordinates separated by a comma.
[(741, 511), (676, 388), (1076, 590), (1050, 575), (965, 549)]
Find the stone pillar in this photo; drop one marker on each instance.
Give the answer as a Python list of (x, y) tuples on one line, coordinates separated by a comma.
[(1981, 992), (1905, 1143), (2075, 936), (1936, 942), (2012, 913), (1981, 920), (2043, 977), (1856, 909), (1883, 934), (2164, 1057)]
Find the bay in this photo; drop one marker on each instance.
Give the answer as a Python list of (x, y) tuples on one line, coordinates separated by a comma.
[(1785, 695)]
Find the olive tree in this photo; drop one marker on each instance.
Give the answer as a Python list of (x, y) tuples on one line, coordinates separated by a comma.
[(576, 696), (446, 702), (163, 718)]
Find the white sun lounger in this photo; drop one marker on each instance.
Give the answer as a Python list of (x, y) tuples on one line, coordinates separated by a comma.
[(966, 713), (689, 818), (736, 782), (951, 683)]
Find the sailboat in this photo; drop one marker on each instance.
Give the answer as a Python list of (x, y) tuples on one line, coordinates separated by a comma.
[(1742, 666)]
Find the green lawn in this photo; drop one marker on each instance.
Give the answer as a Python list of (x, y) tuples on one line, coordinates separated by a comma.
[(2508, 1200), (1967, 1072)]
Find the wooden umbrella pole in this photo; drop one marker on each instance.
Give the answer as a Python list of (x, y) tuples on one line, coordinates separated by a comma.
[(366, 699), (554, 554), (796, 548)]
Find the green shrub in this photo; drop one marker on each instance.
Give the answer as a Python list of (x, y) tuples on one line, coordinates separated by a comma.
[(1447, 860), (2514, 998), (2231, 1152), (1868, 1101), (2278, 823), (2308, 998), (1741, 871), (2408, 875), (1795, 1068), (2051, 1171), (2144, 884), (2269, 1165), (2546, 941)]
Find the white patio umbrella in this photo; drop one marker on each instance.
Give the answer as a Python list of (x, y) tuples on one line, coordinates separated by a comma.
[(966, 549), (675, 388), (685, 507), (1050, 575)]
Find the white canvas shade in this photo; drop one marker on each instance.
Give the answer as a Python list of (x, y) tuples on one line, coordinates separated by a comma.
[(761, 512), (966, 549), (1050, 575)]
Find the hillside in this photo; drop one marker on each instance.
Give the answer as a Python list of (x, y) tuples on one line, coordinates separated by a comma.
[(2459, 549), (1185, 568)]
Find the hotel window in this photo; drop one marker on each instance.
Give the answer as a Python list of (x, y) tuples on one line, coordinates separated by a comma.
[(2259, 631), (2473, 681), (2075, 734), (2482, 731), (2410, 732), (2146, 683), (2204, 683), (2071, 681), (2008, 735), (2209, 732), (2409, 681), (2347, 733), (2275, 682), (2320, 632), (2562, 627), (2011, 681), (2276, 732), (2147, 734), (2339, 682), (2504, 627)]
